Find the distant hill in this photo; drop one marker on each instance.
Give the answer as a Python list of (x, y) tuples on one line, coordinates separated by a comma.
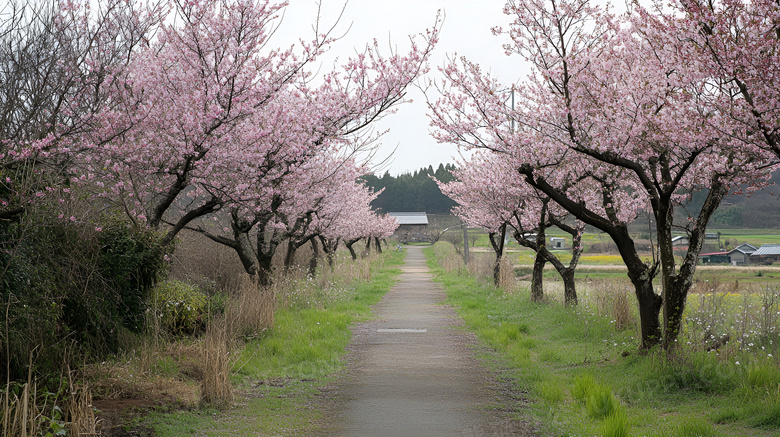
[(412, 191), (758, 210)]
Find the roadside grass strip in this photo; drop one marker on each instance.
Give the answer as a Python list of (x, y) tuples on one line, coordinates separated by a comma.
[(575, 374), (278, 375)]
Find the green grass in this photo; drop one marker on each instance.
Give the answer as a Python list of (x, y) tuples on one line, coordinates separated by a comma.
[(280, 373), (584, 378)]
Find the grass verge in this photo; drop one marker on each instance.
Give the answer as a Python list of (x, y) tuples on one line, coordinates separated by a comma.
[(277, 375), (584, 377)]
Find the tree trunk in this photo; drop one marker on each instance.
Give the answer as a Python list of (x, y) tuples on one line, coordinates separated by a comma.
[(378, 245), (264, 268), (289, 256), (649, 310), (264, 253), (537, 278), (351, 249), (367, 250), (329, 246), (315, 255), (677, 284), (640, 274), (498, 248), (566, 273), (569, 288)]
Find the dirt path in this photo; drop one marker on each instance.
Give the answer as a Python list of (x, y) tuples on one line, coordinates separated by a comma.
[(412, 371)]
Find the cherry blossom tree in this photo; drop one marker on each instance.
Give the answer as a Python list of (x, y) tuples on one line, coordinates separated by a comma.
[(492, 195), (738, 41), (214, 120), (195, 98), (60, 63), (622, 104)]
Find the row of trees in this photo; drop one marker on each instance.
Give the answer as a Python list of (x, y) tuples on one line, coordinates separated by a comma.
[(620, 115), (177, 112), (415, 191)]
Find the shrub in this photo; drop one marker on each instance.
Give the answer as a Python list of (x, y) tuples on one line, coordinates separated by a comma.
[(68, 285), (179, 308), (602, 247), (133, 261)]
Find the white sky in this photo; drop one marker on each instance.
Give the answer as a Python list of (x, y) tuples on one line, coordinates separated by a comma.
[(466, 31)]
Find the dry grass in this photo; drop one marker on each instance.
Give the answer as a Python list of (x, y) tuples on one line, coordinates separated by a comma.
[(167, 372), (215, 387), (506, 278), (205, 264), (250, 309), (81, 413), (481, 264), (23, 415), (621, 310)]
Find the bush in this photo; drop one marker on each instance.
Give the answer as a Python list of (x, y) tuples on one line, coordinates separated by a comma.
[(605, 247), (133, 261), (179, 308), (66, 285)]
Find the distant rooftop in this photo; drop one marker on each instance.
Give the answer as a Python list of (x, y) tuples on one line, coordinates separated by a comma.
[(767, 250), (410, 218)]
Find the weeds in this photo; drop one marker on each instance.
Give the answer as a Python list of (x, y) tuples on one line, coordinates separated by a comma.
[(694, 428), (723, 371), (616, 424)]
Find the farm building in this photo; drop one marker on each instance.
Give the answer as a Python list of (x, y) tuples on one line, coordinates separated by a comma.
[(411, 226), (714, 258), (557, 243), (711, 242), (766, 254), (680, 241), (740, 255)]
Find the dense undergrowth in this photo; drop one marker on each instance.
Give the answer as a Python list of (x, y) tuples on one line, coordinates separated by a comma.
[(585, 376)]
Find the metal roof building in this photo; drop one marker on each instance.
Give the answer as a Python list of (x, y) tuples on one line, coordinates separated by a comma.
[(410, 218), (767, 250), (767, 254)]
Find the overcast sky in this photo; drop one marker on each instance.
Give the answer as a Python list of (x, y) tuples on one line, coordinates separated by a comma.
[(466, 31)]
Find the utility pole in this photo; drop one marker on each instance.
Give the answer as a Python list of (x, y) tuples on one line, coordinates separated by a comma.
[(465, 243)]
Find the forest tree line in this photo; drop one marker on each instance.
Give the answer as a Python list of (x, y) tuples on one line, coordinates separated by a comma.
[(417, 191)]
